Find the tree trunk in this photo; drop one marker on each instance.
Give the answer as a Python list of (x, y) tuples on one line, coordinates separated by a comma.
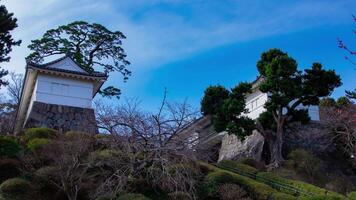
[(276, 147)]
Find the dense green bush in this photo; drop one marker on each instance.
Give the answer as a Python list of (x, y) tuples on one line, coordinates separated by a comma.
[(33, 133), (255, 189), (263, 176), (9, 168), (17, 189), (133, 196), (230, 191), (352, 195), (9, 147), (304, 163), (37, 144), (238, 166), (178, 196)]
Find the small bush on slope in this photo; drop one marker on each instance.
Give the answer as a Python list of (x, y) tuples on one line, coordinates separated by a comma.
[(33, 133), (305, 163), (132, 196), (9, 147), (9, 168), (17, 189), (37, 144)]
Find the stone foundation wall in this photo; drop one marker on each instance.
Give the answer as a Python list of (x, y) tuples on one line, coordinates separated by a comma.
[(232, 148), (62, 118)]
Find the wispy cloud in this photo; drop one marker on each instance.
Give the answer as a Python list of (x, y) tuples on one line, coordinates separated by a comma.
[(164, 31)]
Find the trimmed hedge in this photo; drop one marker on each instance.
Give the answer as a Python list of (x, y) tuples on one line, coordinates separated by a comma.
[(9, 168), (17, 189), (133, 196), (261, 176), (33, 133), (352, 195), (255, 189), (37, 144), (238, 166), (9, 147), (317, 191)]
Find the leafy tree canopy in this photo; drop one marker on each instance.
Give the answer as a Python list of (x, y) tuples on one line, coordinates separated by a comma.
[(227, 108), (90, 45), (287, 88), (7, 24), (214, 97)]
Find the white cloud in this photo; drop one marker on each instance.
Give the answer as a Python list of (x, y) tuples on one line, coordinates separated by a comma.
[(164, 31)]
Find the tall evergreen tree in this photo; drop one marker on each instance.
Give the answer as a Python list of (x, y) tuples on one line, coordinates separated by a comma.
[(7, 24), (90, 45), (287, 88)]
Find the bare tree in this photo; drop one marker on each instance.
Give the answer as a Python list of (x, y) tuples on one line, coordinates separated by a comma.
[(341, 122), (159, 150), (68, 163), (14, 88)]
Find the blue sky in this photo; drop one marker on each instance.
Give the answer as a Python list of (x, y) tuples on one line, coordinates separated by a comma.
[(185, 46)]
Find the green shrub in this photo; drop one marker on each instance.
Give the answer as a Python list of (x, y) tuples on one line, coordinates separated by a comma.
[(255, 189), (280, 196), (33, 133), (230, 191), (132, 196), (178, 196), (17, 189), (352, 195), (105, 154), (229, 164), (37, 144), (9, 147), (9, 168), (305, 163), (262, 176), (46, 172), (105, 197)]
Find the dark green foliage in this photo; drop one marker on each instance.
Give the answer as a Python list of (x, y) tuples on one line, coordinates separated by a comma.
[(9, 147), (17, 189), (90, 45), (343, 102), (230, 191), (33, 133), (110, 92), (327, 102), (214, 97), (7, 24), (260, 165), (304, 162), (255, 189), (37, 144), (132, 196), (288, 88), (352, 195), (9, 168), (351, 94), (227, 108), (286, 84), (238, 166), (178, 196), (316, 191)]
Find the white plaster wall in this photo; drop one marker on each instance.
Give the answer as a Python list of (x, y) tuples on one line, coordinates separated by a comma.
[(64, 91), (255, 103)]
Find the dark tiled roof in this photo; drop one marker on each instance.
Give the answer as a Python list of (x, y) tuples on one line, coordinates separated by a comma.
[(46, 67)]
